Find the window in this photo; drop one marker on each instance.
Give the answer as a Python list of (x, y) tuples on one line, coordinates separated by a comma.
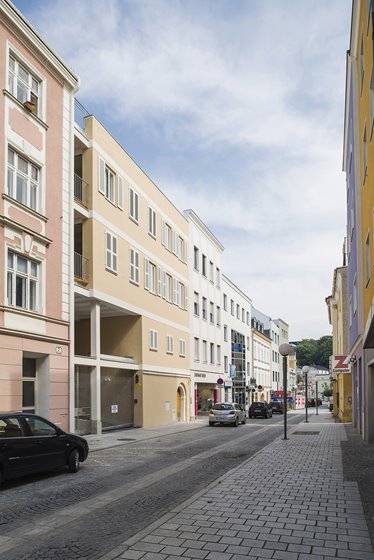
[(23, 84), (243, 315), (355, 295), (205, 310), (181, 295), (211, 272), (196, 350), (218, 355), (237, 311), (225, 302), (248, 318), (205, 351), (22, 282), (226, 364), (134, 205), (134, 266), (106, 181), (218, 315), (196, 258), (196, 303), (39, 427), (152, 222), (153, 340), (203, 264), (111, 252), (211, 312), (367, 255), (225, 333), (150, 279), (23, 180), (28, 384), (180, 248), (211, 353), (232, 307), (167, 289), (182, 348), (218, 278), (169, 344), (167, 236)]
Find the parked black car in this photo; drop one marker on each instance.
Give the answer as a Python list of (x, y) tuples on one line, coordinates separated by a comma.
[(276, 407), (260, 409), (30, 444)]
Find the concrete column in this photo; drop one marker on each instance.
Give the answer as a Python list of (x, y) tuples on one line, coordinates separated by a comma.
[(95, 373)]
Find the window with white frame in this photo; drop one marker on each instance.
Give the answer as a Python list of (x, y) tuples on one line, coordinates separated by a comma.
[(106, 181), (226, 364), (218, 316), (205, 309), (133, 205), (152, 222), (196, 258), (24, 84), (212, 353), (225, 302), (203, 266), (181, 295), (150, 276), (182, 348), (134, 266), (23, 180), (153, 340), (211, 312), (237, 311), (218, 277), (167, 236), (248, 318), (225, 333), (120, 193), (205, 351), (196, 350), (111, 252), (180, 248), (211, 272), (22, 282), (243, 315), (167, 287), (196, 303), (218, 355), (169, 344), (232, 307)]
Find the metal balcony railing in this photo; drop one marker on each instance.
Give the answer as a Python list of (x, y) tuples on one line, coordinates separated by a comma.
[(80, 190), (80, 267)]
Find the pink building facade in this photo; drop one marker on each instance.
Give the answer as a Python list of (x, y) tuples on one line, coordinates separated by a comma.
[(36, 158)]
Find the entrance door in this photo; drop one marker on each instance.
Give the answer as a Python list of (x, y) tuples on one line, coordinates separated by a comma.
[(82, 400), (179, 398)]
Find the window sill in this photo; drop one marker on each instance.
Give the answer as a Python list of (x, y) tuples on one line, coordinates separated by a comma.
[(115, 272), (134, 220), (24, 207), (134, 282), (153, 236), (25, 111)]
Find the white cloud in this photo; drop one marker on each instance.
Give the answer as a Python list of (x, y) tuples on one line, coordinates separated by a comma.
[(258, 85)]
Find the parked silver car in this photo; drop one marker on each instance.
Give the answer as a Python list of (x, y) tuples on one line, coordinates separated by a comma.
[(226, 413)]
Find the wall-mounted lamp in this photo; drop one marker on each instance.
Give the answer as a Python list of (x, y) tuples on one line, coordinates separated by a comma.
[(352, 359)]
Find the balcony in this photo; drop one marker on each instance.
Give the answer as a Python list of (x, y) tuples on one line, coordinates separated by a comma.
[(79, 114), (80, 191), (81, 268)]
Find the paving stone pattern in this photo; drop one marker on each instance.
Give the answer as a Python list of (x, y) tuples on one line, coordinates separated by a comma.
[(288, 502)]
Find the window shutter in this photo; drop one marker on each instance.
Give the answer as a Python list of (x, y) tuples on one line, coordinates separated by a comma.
[(101, 175), (146, 274), (163, 284), (174, 236), (164, 240), (120, 192), (159, 280), (175, 291)]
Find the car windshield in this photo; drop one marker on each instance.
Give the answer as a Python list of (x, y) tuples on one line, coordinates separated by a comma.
[(222, 406)]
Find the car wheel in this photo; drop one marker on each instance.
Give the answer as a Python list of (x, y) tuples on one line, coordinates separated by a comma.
[(236, 422), (211, 424), (73, 461)]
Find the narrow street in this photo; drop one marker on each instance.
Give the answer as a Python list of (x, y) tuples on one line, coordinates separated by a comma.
[(121, 490)]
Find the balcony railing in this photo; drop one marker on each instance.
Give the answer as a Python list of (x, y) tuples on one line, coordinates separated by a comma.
[(80, 190), (79, 114), (81, 267)]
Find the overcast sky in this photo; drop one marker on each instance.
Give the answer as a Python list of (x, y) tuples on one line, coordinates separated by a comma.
[(235, 109)]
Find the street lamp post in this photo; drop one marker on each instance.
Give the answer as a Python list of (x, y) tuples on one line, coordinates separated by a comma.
[(305, 371), (285, 350), (316, 397)]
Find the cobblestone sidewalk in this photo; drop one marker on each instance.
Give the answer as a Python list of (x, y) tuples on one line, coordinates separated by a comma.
[(289, 502)]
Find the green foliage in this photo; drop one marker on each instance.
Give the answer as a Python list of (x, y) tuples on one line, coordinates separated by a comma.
[(327, 392), (314, 352)]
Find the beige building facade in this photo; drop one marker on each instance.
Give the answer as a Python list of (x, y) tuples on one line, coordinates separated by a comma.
[(132, 338), (36, 116)]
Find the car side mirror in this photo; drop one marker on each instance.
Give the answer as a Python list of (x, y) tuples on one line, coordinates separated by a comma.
[(59, 432)]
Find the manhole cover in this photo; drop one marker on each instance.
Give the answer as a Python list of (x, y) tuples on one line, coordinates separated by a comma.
[(305, 433), (126, 439)]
